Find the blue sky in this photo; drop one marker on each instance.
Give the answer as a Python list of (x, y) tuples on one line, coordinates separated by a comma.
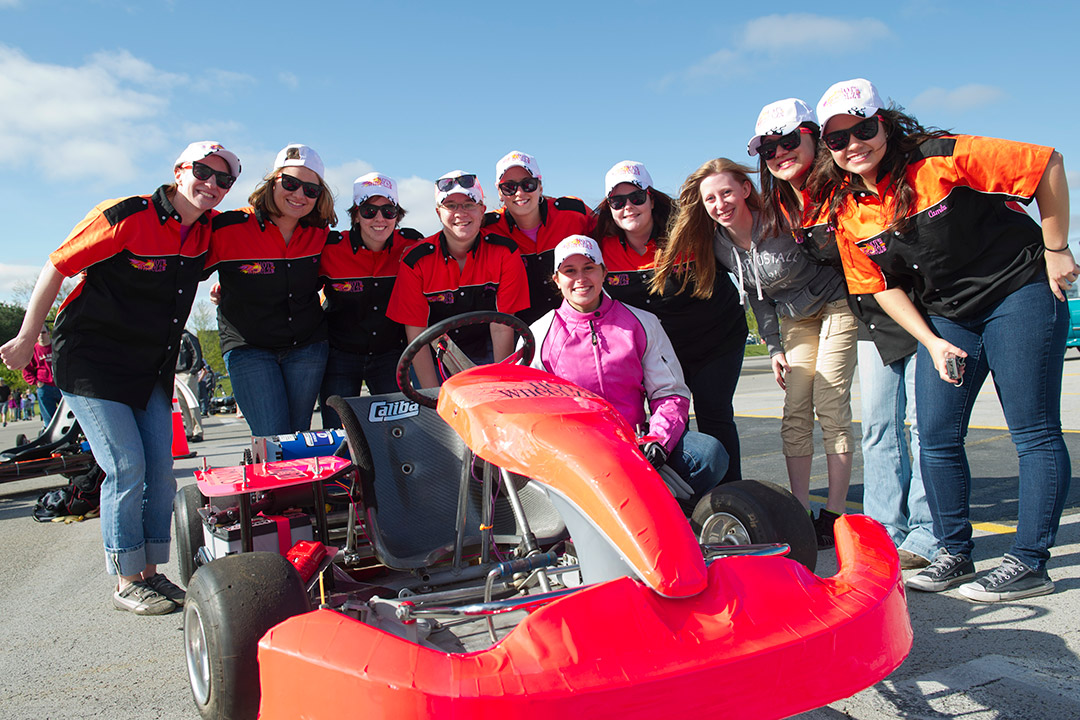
[(98, 97)]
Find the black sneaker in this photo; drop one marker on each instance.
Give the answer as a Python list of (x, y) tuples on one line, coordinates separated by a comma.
[(823, 528), (141, 599), (167, 588), (1011, 580), (943, 573)]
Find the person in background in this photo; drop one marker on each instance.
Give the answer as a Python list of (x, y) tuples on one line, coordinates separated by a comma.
[(15, 405), (205, 379), (187, 364), (28, 405), (38, 374), (622, 354), (116, 339), (697, 306), (5, 395), (536, 223), (271, 323), (359, 268), (940, 210), (457, 270)]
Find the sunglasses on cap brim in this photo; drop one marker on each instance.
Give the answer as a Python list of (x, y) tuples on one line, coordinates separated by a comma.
[(465, 181)]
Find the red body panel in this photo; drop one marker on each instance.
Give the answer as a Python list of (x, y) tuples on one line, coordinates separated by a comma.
[(546, 428), (266, 476), (740, 649)]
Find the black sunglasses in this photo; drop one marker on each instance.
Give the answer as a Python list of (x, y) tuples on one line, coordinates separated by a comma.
[(511, 186), (767, 148), (368, 211), (202, 171), (638, 197), (839, 139), (465, 181), (291, 183)]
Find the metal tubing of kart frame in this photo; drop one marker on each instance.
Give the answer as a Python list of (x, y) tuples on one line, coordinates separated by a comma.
[(462, 505), (523, 522)]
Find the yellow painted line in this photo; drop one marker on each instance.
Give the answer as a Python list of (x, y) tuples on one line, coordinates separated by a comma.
[(994, 528)]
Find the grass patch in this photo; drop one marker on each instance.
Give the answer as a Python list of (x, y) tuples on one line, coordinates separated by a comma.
[(756, 351)]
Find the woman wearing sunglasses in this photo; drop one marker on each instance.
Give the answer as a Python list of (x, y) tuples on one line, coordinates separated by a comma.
[(786, 143), (707, 327), (460, 269), (812, 350), (536, 223), (940, 210), (272, 327), (115, 344), (358, 268)]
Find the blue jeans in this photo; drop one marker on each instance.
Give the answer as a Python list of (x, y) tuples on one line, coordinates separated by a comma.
[(48, 399), (134, 448), (712, 386), (893, 492), (276, 389), (346, 373), (1021, 340), (701, 461)]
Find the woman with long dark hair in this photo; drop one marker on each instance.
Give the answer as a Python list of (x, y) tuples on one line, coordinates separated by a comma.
[(940, 210)]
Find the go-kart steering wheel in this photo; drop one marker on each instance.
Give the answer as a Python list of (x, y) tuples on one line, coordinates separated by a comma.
[(524, 354)]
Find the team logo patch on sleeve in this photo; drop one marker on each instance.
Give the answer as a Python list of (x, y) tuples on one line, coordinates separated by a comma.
[(618, 279), (446, 298), (257, 268), (150, 265), (873, 246)]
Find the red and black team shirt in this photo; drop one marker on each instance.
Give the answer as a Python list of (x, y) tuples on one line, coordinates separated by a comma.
[(559, 218), (431, 286), (357, 283), (699, 328), (966, 243), (269, 290), (118, 333)]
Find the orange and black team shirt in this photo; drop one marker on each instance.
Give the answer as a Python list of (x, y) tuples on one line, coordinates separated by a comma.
[(966, 243), (559, 218), (357, 283), (431, 287), (118, 333), (699, 328), (269, 289)]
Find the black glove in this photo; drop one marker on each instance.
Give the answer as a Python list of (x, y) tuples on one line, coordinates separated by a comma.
[(655, 453)]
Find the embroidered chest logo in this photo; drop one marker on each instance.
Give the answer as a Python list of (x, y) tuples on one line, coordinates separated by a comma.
[(349, 286), (873, 246), (446, 298), (257, 268), (151, 265), (618, 279)]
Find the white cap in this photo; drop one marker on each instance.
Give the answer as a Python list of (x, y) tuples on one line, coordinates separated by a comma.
[(206, 148), (627, 171), (372, 184), (577, 245), (779, 118), (516, 158), (476, 193), (303, 156), (856, 97)]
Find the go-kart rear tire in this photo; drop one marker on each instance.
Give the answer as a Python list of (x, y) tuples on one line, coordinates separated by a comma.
[(188, 529), (231, 604), (748, 511)]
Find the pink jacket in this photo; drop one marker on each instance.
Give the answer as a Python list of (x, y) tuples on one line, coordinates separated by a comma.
[(40, 367), (623, 355)]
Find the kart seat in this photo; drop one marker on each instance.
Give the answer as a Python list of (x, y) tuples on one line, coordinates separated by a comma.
[(63, 431), (413, 475)]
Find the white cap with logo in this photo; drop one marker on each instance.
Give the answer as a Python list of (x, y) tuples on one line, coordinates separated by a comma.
[(779, 118), (464, 183), (516, 158), (206, 148), (627, 171), (296, 155), (372, 184), (577, 245), (856, 97)]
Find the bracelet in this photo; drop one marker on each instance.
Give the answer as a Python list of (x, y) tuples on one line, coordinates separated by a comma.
[(1057, 250)]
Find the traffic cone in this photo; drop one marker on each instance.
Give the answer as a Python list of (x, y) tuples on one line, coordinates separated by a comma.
[(179, 435)]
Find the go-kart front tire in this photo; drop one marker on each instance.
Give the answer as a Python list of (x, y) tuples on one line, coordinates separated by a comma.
[(187, 529), (231, 603), (752, 512)]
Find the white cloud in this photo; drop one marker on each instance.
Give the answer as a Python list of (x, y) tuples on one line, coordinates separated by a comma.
[(289, 80), (763, 41), (958, 100)]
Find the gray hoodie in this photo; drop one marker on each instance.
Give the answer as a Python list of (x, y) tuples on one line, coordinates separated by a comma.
[(778, 278)]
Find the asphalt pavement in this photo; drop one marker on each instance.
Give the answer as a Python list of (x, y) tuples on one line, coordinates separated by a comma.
[(65, 653)]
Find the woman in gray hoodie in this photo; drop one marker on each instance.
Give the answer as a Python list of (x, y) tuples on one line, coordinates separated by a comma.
[(802, 315)]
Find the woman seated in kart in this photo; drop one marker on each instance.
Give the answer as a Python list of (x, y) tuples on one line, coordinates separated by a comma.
[(622, 354)]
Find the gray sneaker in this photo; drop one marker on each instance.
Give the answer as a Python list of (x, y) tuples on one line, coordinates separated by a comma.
[(166, 587), (944, 572), (1011, 580), (141, 599)]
